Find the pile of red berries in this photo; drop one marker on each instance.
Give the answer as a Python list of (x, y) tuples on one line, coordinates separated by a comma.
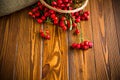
[(67, 21), (45, 34), (84, 45), (41, 13)]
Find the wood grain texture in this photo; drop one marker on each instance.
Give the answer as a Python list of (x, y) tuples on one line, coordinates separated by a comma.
[(25, 56)]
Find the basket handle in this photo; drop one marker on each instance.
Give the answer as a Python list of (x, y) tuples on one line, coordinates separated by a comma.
[(64, 11)]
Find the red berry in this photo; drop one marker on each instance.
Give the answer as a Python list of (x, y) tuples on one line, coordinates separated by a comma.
[(77, 20), (47, 37), (87, 17), (86, 43), (55, 18), (82, 45), (38, 3), (52, 16), (87, 12), (51, 11), (55, 21), (35, 9), (66, 1), (42, 35), (54, 3), (39, 20), (62, 23), (30, 13), (85, 47), (41, 31), (37, 14), (64, 28), (46, 14), (63, 18), (33, 16), (77, 31), (78, 46), (74, 24), (47, 32), (59, 1), (41, 7), (70, 8), (77, 14), (62, 5), (68, 23), (82, 18), (43, 18), (74, 45), (90, 44), (67, 5)]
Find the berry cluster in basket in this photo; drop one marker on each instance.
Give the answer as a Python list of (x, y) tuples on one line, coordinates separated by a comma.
[(68, 21)]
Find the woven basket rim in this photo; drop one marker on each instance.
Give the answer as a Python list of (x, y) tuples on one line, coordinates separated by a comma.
[(65, 11)]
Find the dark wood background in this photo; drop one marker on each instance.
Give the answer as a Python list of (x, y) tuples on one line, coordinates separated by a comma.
[(25, 56)]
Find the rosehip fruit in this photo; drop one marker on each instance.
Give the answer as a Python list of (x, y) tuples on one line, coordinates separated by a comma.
[(90, 44), (77, 31), (74, 45), (39, 20)]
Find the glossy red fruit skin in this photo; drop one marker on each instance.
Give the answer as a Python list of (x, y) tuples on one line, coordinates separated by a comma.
[(46, 14), (59, 1), (39, 21), (74, 25), (90, 44), (42, 35), (53, 16), (30, 13), (38, 3), (77, 31), (51, 11), (86, 43), (54, 3), (85, 47), (47, 32), (87, 12), (37, 14), (41, 31), (77, 14), (64, 28), (78, 46), (56, 21), (43, 17), (77, 20), (82, 45), (87, 17), (63, 18), (74, 45), (66, 1), (62, 23), (47, 37)]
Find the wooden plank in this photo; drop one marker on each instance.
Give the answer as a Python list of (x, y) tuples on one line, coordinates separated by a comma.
[(55, 55), (112, 40), (89, 55), (36, 53), (98, 28), (22, 62), (116, 11), (8, 38), (76, 61), (28, 64)]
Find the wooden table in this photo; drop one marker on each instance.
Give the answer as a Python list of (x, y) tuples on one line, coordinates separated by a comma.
[(25, 56)]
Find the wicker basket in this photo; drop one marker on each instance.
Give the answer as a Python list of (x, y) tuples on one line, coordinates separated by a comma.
[(65, 11)]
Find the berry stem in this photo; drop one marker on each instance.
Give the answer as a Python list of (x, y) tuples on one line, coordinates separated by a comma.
[(81, 35)]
